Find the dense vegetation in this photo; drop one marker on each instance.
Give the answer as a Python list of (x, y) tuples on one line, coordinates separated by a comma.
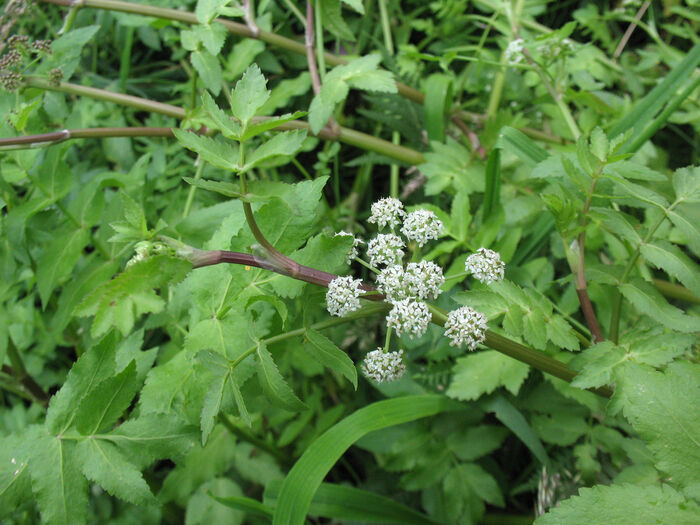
[(509, 191)]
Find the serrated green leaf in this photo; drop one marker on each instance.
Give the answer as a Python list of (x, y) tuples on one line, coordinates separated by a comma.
[(686, 184), (208, 68), (599, 144), (674, 262), (107, 402), (212, 404), (15, 482), (648, 300), (59, 487), (249, 94), (207, 10), (333, 20), (273, 383), (476, 441), (618, 223), (286, 143), (130, 293), (481, 483), (221, 154), (151, 437), (617, 503), (559, 429), (229, 128), (269, 123), (662, 408), (58, 260), (308, 472), (361, 73), (212, 36), (630, 170), (638, 192), (561, 333), (661, 348), (596, 365), (686, 220), (224, 188), (93, 367), (329, 355), (102, 463), (483, 372)]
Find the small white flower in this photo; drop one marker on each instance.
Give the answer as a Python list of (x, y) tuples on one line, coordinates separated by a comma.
[(465, 325), (410, 316), (355, 243), (343, 296), (388, 211), (391, 282), (383, 366), (385, 249), (421, 226), (424, 280), (486, 265), (514, 51)]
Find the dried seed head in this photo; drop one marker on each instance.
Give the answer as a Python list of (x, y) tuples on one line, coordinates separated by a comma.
[(55, 76), (10, 59), (10, 80), (42, 46), (18, 41), (383, 366)]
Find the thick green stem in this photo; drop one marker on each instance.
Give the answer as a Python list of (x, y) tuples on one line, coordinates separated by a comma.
[(522, 353)]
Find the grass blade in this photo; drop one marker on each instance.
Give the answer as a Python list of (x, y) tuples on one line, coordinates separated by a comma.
[(306, 476)]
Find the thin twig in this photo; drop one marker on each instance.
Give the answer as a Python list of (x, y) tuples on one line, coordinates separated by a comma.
[(310, 51), (473, 137), (631, 28), (250, 18)]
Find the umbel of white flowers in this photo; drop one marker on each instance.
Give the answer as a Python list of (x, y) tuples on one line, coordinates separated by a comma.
[(407, 288)]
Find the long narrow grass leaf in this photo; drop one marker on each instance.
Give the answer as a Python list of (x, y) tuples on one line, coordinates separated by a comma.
[(306, 476), (644, 111)]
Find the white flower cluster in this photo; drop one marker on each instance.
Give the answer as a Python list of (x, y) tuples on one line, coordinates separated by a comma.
[(410, 316), (355, 243), (388, 211), (514, 51), (424, 279), (465, 325), (422, 226), (383, 366), (421, 280), (486, 265), (343, 296), (385, 249)]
